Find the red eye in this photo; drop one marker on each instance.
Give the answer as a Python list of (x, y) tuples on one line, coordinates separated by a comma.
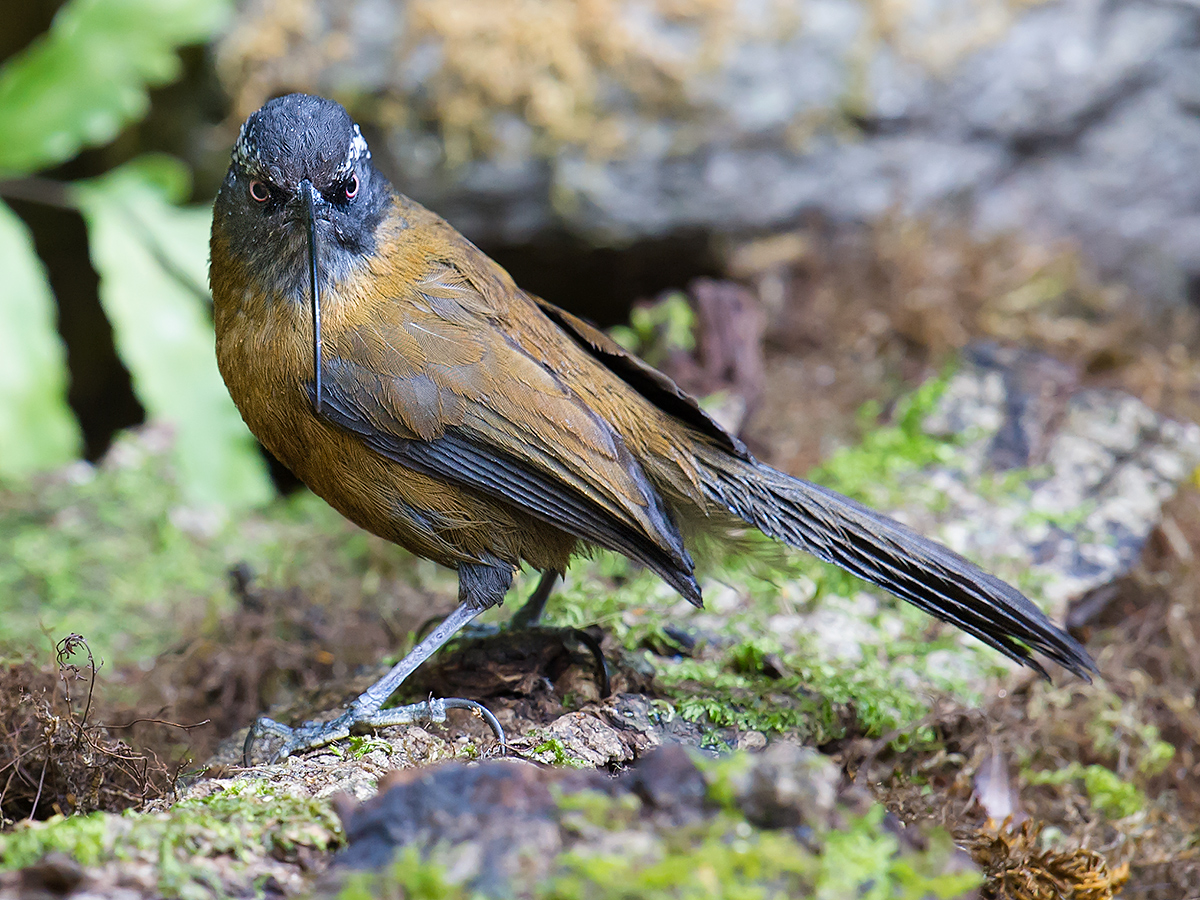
[(260, 192), (351, 187)]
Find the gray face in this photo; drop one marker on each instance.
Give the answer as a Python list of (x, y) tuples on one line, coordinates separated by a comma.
[(292, 142)]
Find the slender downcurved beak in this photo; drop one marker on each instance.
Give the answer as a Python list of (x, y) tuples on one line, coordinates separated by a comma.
[(309, 196)]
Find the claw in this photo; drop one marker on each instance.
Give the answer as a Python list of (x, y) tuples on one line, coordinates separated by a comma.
[(434, 710), (311, 735), (258, 727), (484, 713), (593, 645), (366, 710), (303, 737)]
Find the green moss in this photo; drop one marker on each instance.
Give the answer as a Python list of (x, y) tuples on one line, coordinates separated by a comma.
[(858, 859), (888, 452), (580, 808), (1109, 793), (555, 752), (728, 857), (814, 700), (87, 839), (359, 745), (1110, 727), (722, 775), (862, 861), (1117, 731), (98, 552), (409, 876), (246, 823), (724, 858)]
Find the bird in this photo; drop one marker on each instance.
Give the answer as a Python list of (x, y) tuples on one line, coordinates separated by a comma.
[(403, 376)]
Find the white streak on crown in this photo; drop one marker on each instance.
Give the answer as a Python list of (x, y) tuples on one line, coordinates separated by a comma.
[(247, 157), (244, 155), (358, 150)]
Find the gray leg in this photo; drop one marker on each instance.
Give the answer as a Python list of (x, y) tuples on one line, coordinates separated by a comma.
[(530, 614), (479, 587), (529, 617)]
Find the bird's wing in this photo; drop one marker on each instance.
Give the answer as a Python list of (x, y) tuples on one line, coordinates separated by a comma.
[(652, 384), (435, 382)]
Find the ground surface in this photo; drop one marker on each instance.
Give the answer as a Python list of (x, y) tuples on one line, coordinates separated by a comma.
[(199, 624)]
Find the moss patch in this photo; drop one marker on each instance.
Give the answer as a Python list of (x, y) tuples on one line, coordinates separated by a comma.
[(217, 845)]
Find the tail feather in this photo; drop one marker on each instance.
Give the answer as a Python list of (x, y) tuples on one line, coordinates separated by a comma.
[(881, 550)]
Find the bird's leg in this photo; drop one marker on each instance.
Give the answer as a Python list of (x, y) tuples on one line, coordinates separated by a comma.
[(530, 615), (479, 587), (529, 618)]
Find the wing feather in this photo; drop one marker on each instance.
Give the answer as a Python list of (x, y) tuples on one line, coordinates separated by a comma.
[(433, 384)]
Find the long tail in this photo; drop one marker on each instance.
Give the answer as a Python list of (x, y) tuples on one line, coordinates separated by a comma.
[(881, 550)]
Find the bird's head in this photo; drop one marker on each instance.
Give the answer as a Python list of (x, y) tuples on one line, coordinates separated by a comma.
[(300, 183)]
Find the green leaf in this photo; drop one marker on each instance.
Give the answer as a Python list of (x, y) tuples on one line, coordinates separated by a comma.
[(86, 78), (37, 428), (152, 259)]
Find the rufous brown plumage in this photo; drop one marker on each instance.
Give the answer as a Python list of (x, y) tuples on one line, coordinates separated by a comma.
[(477, 425)]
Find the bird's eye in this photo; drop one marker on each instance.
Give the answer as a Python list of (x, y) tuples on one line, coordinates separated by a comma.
[(259, 191), (350, 187)]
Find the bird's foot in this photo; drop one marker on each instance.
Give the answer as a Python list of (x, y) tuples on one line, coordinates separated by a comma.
[(563, 635), (528, 620), (311, 735), (566, 635)]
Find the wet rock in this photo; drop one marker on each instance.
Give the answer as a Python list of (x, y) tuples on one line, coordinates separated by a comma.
[(608, 734), (499, 817), (751, 740), (668, 781), (789, 786), (56, 875), (509, 829)]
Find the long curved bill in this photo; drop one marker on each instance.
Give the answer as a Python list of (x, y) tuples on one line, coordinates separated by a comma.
[(310, 213)]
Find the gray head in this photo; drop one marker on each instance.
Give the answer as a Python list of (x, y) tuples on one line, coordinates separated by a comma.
[(294, 150)]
